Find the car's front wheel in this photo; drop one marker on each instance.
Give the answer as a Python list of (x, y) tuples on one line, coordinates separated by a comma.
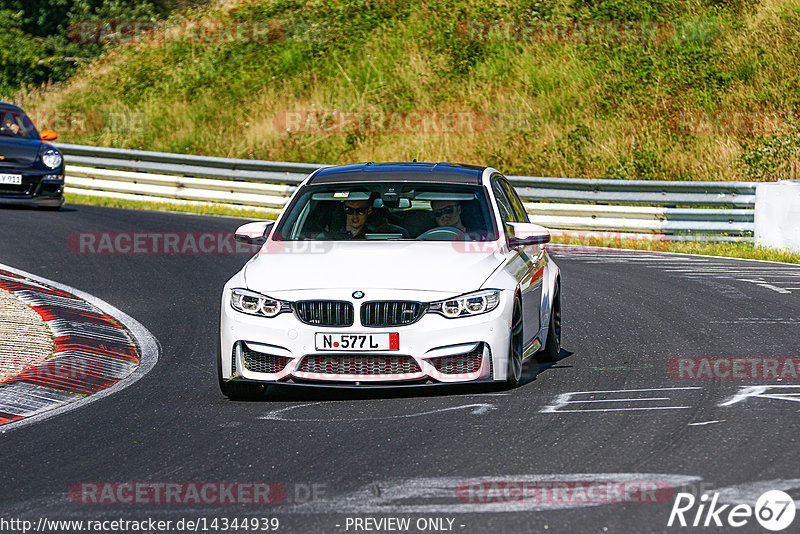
[(514, 373), (553, 344)]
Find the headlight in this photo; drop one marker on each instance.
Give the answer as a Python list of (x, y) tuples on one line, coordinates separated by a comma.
[(467, 305), (256, 304), (52, 158)]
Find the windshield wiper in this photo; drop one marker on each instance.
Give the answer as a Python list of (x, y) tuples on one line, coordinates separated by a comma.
[(383, 236)]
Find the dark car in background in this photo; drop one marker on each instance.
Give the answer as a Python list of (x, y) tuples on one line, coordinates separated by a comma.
[(31, 169)]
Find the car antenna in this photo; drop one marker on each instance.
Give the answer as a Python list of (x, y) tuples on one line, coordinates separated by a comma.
[(414, 160)]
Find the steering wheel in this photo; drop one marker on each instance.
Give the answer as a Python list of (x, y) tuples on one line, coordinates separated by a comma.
[(443, 233)]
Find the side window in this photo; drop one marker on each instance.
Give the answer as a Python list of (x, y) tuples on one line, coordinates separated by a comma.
[(520, 215), (506, 213)]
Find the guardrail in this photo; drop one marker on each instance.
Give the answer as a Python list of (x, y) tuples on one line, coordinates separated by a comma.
[(682, 209)]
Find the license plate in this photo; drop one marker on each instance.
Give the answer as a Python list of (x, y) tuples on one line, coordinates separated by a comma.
[(12, 179), (358, 342)]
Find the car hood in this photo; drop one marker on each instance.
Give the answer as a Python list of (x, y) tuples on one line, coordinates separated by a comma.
[(426, 266), (17, 151)]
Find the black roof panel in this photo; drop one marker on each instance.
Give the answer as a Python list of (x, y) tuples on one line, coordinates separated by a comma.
[(8, 105), (399, 172)]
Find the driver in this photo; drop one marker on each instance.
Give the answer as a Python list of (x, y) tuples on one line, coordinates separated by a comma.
[(12, 127), (447, 213), (356, 213)]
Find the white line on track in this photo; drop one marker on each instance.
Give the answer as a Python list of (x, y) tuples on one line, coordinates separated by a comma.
[(765, 285), (707, 422), (148, 346)]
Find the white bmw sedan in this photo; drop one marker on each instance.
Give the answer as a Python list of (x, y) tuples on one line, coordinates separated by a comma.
[(391, 274)]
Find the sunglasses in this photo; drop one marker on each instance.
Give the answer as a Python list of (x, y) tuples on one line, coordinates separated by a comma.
[(355, 211), (444, 211)]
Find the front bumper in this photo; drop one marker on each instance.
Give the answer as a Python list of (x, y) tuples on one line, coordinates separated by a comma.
[(433, 350), (37, 189)]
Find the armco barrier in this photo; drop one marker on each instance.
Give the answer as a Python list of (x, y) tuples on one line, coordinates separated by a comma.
[(717, 209)]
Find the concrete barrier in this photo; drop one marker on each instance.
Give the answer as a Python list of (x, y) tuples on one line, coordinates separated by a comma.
[(777, 215)]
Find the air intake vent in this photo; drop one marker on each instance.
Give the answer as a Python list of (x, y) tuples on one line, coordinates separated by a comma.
[(325, 312), (391, 313), (363, 365), (460, 364), (258, 362)]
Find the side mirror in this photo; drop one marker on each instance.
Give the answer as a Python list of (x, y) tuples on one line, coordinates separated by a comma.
[(525, 234), (48, 135), (254, 233)]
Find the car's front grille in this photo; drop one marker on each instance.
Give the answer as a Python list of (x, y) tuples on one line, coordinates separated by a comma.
[(258, 362), (325, 312), (460, 364), (391, 312), (358, 364)]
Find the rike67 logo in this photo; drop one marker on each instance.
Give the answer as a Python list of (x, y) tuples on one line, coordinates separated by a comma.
[(774, 510)]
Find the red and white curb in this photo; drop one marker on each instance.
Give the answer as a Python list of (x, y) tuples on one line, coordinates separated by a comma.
[(98, 350)]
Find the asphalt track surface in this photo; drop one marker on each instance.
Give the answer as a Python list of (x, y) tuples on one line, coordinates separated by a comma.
[(403, 454)]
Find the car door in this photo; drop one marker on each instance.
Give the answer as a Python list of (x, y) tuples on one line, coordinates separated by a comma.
[(527, 263), (533, 281)]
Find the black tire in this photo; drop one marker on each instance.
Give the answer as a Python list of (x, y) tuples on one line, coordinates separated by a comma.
[(553, 344), (237, 391), (514, 370)]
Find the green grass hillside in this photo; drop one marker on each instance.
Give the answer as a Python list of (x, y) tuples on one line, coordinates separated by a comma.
[(629, 89)]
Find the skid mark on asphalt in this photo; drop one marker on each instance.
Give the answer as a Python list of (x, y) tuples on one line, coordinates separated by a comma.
[(526, 492), (749, 492), (286, 414)]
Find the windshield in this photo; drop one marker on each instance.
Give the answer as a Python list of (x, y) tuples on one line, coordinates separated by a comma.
[(389, 211), (14, 123)]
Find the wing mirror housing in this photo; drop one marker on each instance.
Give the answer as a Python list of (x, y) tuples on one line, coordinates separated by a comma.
[(525, 234), (48, 135), (254, 233)]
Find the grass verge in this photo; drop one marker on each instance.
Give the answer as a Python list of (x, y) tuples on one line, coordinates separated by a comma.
[(708, 248), (633, 89)]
